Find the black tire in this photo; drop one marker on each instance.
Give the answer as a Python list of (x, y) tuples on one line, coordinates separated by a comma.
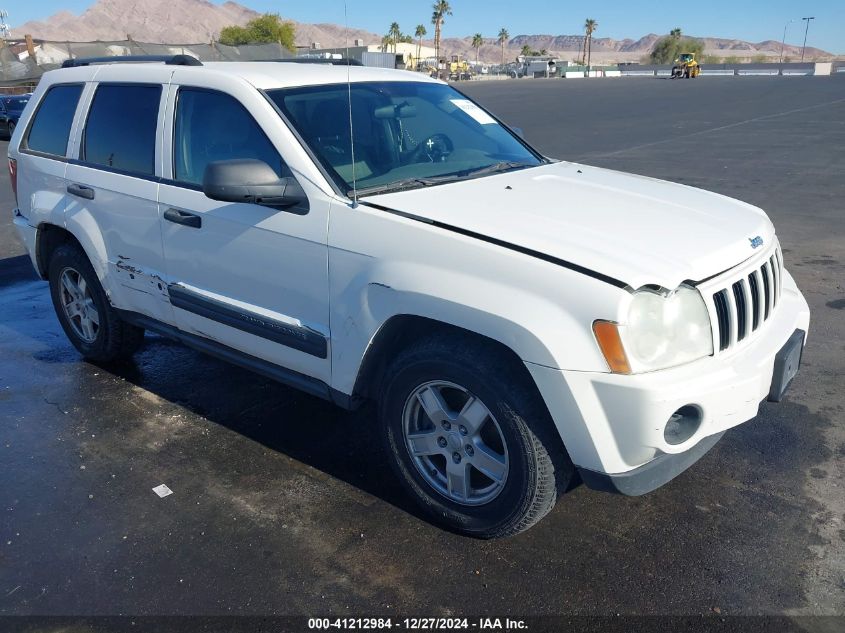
[(539, 469), (11, 129), (114, 339)]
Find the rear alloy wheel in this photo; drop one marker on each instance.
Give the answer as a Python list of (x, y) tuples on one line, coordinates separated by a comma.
[(470, 438), (90, 322), (78, 305)]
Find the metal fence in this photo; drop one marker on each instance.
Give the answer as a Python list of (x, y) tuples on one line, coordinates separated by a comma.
[(19, 67)]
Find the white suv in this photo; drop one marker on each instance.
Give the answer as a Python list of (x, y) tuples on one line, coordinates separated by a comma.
[(367, 234)]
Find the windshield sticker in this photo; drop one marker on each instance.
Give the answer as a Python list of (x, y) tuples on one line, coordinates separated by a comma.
[(474, 111)]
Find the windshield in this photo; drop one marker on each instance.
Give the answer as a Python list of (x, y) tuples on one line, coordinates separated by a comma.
[(15, 103), (406, 134)]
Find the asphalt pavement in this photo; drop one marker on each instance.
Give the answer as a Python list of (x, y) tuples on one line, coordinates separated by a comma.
[(283, 504)]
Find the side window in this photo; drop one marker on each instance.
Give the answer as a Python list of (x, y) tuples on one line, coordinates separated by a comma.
[(50, 129), (212, 126), (121, 128)]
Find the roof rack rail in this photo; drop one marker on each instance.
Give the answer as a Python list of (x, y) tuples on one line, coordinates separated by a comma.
[(343, 61), (170, 60)]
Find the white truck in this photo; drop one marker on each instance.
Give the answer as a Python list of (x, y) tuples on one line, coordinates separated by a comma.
[(373, 235)]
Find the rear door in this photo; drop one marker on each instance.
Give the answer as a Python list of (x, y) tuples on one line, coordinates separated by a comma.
[(113, 185)]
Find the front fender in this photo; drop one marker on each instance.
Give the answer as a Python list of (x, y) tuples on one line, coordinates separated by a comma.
[(541, 312)]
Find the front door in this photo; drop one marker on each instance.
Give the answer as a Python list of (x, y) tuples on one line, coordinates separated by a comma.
[(251, 277)]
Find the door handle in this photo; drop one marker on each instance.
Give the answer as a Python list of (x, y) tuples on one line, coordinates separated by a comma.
[(81, 191), (183, 217)]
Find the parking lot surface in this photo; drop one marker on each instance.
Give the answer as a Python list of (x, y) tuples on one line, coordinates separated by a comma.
[(283, 504)]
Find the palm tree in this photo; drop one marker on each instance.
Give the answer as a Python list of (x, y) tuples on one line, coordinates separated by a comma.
[(477, 42), (504, 36), (394, 33), (526, 51), (675, 33), (589, 26), (441, 9), (419, 34)]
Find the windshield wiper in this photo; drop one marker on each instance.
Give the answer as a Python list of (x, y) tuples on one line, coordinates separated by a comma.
[(399, 185), (416, 183), (505, 165)]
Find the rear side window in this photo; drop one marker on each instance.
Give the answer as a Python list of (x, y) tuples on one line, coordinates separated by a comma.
[(212, 126), (121, 128), (50, 128)]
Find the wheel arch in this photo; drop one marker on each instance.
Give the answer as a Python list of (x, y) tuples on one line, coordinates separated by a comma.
[(401, 330), (87, 237), (48, 238)]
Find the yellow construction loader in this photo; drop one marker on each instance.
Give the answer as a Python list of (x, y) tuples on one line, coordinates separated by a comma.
[(686, 67), (459, 69)]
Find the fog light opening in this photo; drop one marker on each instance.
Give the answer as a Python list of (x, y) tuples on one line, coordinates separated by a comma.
[(682, 425)]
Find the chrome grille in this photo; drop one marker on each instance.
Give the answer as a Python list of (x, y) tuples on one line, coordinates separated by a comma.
[(744, 305)]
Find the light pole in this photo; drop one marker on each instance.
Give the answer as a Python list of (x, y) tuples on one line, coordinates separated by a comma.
[(783, 41), (807, 28)]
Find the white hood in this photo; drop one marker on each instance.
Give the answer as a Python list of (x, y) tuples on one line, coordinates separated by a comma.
[(635, 229)]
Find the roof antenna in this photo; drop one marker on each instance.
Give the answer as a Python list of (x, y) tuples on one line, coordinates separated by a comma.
[(349, 101)]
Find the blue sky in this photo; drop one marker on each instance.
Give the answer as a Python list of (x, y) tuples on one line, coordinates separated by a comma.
[(754, 20)]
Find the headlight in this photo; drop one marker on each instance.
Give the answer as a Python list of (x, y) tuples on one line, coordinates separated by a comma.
[(661, 331)]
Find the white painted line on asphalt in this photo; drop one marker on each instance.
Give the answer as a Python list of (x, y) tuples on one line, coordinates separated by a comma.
[(714, 129)]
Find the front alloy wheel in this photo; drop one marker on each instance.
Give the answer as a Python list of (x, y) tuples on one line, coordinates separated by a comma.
[(456, 443), (469, 436)]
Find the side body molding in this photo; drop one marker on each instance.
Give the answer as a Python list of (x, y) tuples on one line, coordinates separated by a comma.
[(290, 334)]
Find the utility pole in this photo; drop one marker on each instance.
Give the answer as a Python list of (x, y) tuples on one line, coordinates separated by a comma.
[(806, 29), (783, 41)]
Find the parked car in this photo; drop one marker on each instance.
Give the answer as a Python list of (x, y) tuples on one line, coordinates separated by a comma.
[(364, 234), (11, 107)]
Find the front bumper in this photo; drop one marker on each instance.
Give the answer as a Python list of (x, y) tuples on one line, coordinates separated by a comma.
[(613, 425), (650, 475)]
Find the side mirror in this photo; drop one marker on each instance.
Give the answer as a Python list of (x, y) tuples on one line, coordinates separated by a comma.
[(254, 182)]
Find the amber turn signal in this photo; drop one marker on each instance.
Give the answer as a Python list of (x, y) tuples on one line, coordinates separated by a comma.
[(607, 335)]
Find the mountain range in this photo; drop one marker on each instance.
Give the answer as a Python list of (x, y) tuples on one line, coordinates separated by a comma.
[(194, 21)]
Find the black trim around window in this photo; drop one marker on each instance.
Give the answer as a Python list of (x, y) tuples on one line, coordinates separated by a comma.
[(80, 159), (179, 90), (296, 337), (23, 148), (113, 170)]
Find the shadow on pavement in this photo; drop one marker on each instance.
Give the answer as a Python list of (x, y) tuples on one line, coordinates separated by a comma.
[(345, 445), (15, 270)]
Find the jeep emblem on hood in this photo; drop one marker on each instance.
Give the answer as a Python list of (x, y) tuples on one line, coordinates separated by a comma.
[(756, 242)]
